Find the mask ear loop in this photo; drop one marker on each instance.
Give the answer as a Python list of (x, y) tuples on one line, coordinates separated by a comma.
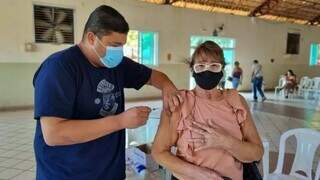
[(94, 49), (100, 42)]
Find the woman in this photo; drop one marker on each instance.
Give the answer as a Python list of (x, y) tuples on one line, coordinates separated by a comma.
[(236, 75), (213, 130), (291, 83)]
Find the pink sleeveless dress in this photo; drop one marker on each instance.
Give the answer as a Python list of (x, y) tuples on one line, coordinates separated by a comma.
[(228, 113)]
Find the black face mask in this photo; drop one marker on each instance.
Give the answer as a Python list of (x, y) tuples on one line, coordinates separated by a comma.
[(207, 80)]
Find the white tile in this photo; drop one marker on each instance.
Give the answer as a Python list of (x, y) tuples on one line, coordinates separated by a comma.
[(3, 159), (23, 155), (10, 153), (10, 163), (27, 175), (24, 165), (2, 169), (10, 173)]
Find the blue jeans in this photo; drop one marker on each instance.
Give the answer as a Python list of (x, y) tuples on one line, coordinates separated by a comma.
[(235, 82), (257, 84)]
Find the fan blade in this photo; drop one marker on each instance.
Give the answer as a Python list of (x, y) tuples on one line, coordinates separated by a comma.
[(60, 17), (47, 34), (42, 23), (59, 37), (65, 28), (48, 14)]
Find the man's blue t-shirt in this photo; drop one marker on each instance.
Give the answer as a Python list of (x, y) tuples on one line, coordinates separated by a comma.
[(68, 86)]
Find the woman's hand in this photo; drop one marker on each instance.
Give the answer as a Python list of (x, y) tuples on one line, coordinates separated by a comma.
[(212, 137)]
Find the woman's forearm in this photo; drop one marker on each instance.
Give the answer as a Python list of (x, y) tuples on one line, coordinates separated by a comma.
[(175, 164), (245, 151)]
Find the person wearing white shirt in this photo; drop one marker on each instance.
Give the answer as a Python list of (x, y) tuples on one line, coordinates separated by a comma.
[(257, 80)]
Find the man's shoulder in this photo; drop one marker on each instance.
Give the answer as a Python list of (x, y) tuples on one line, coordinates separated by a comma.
[(61, 62), (62, 57)]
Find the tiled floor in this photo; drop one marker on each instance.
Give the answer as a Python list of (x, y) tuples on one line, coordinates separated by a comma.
[(272, 118)]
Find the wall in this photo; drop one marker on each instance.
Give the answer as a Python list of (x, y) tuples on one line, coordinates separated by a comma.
[(255, 39)]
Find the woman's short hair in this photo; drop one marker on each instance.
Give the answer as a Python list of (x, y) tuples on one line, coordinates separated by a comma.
[(208, 49)]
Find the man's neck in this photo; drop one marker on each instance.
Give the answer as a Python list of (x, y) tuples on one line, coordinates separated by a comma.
[(89, 54)]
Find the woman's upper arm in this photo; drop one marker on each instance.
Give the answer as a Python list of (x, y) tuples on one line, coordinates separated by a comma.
[(166, 135), (248, 128)]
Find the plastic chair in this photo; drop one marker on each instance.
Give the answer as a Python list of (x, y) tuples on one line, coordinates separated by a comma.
[(302, 85), (278, 89), (306, 88), (308, 141), (315, 91)]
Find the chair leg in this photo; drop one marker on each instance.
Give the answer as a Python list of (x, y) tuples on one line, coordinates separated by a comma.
[(265, 159)]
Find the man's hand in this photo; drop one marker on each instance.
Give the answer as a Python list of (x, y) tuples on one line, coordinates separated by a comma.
[(171, 99), (135, 117)]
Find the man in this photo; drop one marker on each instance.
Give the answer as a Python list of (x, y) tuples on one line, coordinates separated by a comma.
[(79, 103), (257, 80)]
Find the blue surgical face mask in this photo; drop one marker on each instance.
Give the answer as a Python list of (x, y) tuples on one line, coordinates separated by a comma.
[(113, 56)]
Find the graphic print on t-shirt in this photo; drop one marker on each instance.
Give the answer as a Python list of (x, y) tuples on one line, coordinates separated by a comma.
[(109, 103)]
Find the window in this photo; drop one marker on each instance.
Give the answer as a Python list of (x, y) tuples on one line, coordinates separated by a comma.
[(314, 55), (142, 47), (53, 25), (228, 46), (293, 43)]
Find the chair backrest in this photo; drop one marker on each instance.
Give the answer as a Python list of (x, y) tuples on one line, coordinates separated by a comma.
[(308, 141), (308, 84), (316, 82), (282, 81), (302, 80), (305, 82)]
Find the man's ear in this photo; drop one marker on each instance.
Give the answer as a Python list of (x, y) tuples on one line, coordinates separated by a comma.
[(91, 37)]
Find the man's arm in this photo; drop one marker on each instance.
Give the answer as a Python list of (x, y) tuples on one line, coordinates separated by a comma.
[(160, 81), (59, 131), (169, 91)]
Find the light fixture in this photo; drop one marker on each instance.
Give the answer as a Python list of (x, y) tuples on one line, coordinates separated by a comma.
[(217, 30)]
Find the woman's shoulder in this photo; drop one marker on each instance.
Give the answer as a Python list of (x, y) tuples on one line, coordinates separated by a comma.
[(188, 97), (233, 97)]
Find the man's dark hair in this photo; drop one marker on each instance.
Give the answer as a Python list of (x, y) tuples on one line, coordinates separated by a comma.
[(255, 61), (104, 20)]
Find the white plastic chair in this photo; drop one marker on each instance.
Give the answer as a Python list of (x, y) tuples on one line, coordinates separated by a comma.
[(281, 83), (304, 84), (315, 88), (265, 159), (308, 141)]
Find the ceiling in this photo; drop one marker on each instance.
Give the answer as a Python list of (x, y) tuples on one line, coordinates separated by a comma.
[(292, 11)]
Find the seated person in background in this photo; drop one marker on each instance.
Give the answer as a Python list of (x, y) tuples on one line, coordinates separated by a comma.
[(213, 129), (236, 75), (291, 83)]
